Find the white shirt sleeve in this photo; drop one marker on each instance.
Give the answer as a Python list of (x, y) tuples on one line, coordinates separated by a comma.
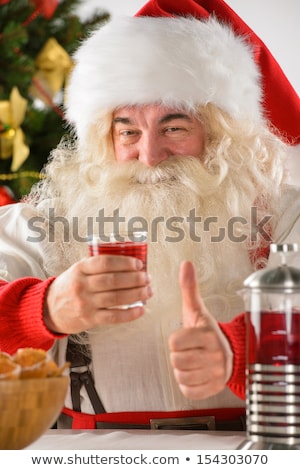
[(22, 242)]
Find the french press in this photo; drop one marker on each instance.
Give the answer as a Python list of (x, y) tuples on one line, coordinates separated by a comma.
[(272, 299)]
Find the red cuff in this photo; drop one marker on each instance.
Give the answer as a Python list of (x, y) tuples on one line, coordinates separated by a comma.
[(235, 331), (21, 315)]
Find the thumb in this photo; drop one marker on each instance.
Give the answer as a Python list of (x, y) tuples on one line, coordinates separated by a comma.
[(193, 307)]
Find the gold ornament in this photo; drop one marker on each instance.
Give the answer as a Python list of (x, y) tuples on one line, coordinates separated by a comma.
[(12, 139), (53, 68)]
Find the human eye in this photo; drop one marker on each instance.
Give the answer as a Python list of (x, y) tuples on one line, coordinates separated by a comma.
[(126, 135), (127, 132), (175, 131), (172, 129)]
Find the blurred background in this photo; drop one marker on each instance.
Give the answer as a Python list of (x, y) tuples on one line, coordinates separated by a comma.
[(37, 39)]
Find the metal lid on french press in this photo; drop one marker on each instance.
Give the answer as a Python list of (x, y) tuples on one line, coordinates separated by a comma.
[(282, 278)]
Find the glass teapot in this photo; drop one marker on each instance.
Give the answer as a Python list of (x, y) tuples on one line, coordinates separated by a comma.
[(272, 300)]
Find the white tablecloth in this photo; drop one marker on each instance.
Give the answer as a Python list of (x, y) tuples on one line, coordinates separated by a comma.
[(137, 440)]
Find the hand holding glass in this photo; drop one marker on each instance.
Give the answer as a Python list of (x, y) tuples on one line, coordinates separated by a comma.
[(123, 244)]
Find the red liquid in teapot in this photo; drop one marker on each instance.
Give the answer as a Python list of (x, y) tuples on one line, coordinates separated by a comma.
[(274, 338)]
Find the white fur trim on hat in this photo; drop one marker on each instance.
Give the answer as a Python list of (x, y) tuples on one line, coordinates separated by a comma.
[(176, 61)]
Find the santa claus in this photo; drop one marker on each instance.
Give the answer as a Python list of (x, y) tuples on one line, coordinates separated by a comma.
[(171, 135)]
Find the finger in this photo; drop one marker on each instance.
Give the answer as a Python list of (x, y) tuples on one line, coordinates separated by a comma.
[(121, 297), (198, 362), (199, 384), (109, 263), (192, 304), (187, 359), (117, 316), (201, 391), (190, 339), (115, 280), (95, 318)]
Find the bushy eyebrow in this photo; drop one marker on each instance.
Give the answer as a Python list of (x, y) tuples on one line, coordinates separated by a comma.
[(122, 120), (164, 120), (170, 117)]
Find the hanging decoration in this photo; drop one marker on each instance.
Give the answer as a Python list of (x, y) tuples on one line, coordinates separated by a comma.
[(46, 7), (12, 139), (6, 196), (53, 65)]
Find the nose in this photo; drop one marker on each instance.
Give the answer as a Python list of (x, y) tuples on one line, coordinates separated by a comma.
[(151, 150)]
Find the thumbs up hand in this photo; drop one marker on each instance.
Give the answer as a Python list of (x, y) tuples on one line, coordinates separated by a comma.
[(200, 353)]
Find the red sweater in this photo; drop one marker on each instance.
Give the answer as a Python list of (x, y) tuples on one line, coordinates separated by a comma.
[(22, 325)]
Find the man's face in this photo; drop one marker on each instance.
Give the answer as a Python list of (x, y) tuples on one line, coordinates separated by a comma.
[(153, 133)]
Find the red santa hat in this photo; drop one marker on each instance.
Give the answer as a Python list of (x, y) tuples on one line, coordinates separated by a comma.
[(180, 54), (281, 103)]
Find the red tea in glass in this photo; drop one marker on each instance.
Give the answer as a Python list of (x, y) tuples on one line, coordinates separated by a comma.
[(125, 244), (122, 244)]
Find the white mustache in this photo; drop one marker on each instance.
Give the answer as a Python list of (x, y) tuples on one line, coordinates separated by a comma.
[(186, 171), (165, 171)]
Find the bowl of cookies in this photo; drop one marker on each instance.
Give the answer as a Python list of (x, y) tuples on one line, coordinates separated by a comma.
[(32, 394)]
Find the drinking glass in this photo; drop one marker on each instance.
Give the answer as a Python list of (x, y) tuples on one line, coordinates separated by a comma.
[(125, 244)]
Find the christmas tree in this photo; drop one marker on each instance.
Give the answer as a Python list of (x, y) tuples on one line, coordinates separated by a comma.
[(37, 39)]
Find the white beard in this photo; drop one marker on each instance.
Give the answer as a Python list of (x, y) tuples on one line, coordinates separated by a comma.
[(140, 348), (171, 190)]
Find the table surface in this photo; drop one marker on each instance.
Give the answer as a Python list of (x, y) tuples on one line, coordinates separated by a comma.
[(62, 439)]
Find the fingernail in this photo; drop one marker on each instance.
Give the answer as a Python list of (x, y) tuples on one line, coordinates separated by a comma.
[(139, 264)]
